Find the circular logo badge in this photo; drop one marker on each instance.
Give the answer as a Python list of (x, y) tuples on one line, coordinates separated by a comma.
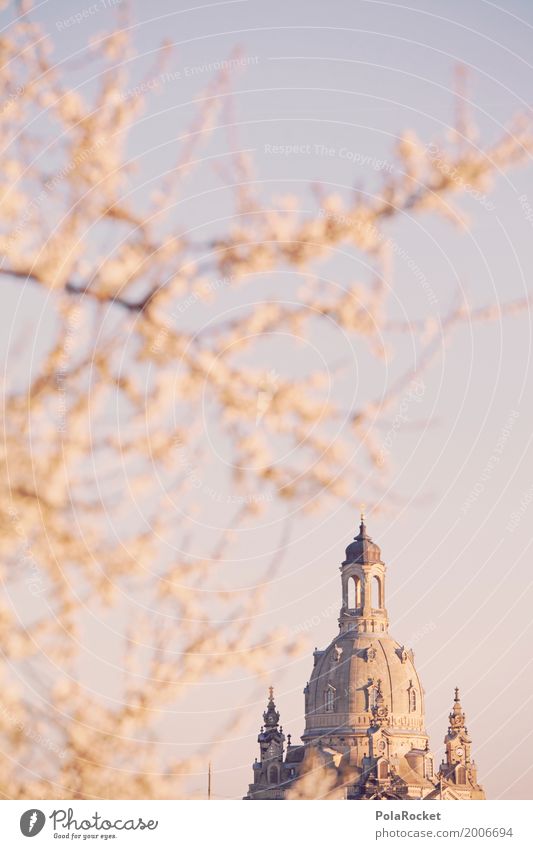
[(32, 822)]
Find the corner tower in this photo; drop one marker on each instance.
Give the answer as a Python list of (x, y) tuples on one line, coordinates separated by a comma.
[(458, 772), (268, 771)]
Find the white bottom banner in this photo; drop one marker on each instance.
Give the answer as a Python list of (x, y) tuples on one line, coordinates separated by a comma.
[(240, 824)]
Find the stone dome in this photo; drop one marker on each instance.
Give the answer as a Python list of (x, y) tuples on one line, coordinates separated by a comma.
[(364, 732), (346, 678)]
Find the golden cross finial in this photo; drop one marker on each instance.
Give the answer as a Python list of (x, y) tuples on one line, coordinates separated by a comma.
[(362, 507), (271, 693)]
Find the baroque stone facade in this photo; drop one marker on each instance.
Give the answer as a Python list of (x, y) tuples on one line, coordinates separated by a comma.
[(365, 734)]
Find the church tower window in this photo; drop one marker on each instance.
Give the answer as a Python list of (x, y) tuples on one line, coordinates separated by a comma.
[(354, 592), (377, 595), (351, 594)]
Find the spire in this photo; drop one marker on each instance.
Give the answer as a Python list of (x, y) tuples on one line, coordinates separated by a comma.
[(268, 770), (459, 767), (457, 717), (271, 715), (362, 527)]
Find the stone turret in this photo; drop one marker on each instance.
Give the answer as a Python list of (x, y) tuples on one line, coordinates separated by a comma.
[(272, 772), (458, 772)]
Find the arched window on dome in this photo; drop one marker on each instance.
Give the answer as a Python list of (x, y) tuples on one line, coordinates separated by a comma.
[(372, 693), (412, 699), (329, 699), (429, 767), (461, 775)]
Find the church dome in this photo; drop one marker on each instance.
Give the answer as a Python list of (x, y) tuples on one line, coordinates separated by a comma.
[(362, 549), (365, 734), (354, 672)]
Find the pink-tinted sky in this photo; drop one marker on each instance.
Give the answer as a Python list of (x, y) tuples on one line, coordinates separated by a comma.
[(340, 81)]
